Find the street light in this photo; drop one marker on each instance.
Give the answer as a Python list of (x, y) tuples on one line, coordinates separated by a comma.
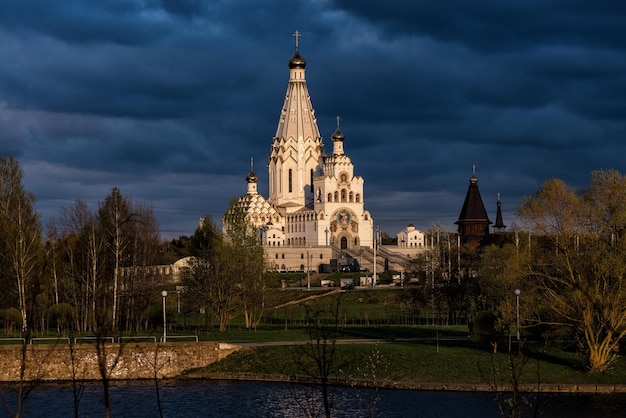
[(164, 294), (376, 232), (308, 269), (517, 292)]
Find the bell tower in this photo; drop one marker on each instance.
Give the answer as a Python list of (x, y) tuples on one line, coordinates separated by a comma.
[(296, 152)]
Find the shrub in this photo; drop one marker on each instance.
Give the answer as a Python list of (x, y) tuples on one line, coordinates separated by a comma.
[(10, 318), (62, 315)]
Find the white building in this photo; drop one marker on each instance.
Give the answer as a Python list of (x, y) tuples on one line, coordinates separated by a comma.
[(316, 201), (410, 238)]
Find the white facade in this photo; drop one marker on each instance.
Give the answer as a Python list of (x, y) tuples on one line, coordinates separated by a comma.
[(314, 200), (411, 238)]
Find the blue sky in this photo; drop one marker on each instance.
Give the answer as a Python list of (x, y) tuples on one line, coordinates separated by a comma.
[(169, 99)]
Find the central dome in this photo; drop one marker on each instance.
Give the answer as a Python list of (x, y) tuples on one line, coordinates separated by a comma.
[(297, 61)]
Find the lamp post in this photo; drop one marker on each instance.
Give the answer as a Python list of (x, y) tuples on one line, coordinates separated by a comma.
[(517, 293), (164, 294), (308, 270), (375, 245)]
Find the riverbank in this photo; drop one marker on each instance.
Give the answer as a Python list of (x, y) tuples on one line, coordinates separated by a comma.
[(603, 389), (446, 365), (420, 365)]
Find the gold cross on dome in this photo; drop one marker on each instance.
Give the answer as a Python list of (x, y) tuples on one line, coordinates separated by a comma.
[(297, 35)]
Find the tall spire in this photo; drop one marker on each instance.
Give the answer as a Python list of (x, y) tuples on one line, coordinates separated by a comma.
[(473, 220), (295, 155), (499, 226)]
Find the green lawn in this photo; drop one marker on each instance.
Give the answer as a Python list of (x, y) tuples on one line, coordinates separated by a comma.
[(469, 362)]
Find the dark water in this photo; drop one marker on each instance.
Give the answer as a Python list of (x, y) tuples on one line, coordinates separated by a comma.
[(255, 399)]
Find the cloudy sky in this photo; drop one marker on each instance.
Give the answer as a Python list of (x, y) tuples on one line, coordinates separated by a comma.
[(169, 99)]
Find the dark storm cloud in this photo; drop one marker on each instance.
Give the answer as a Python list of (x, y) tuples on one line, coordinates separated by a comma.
[(169, 99), (88, 22), (498, 25)]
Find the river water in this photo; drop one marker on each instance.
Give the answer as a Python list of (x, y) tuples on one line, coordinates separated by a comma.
[(260, 399)]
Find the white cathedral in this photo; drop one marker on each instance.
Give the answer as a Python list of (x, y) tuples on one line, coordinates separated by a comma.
[(316, 202)]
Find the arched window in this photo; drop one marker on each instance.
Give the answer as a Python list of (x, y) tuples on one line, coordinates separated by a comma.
[(343, 195), (351, 197), (336, 196), (311, 180), (290, 181), (330, 197), (358, 198)]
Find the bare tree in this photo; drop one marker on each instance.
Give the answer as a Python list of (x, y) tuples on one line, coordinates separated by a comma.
[(20, 230), (139, 283), (82, 242), (114, 215), (513, 399), (51, 250), (318, 359), (21, 258), (373, 372)]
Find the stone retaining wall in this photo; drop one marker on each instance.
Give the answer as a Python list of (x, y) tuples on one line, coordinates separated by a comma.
[(47, 362), (603, 389)]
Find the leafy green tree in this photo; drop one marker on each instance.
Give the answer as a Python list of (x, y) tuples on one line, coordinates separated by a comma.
[(502, 271), (245, 249), (227, 275), (580, 271), (208, 279)]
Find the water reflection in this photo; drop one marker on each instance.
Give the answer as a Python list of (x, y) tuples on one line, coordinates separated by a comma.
[(255, 399)]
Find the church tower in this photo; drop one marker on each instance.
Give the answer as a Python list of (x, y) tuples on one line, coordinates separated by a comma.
[(473, 223), (339, 199), (296, 152), (316, 201)]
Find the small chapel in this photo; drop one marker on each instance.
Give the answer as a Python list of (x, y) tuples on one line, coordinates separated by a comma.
[(315, 199)]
